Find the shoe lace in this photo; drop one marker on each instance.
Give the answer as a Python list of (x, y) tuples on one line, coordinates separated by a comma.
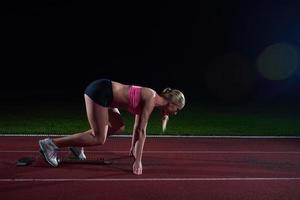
[(52, 151), (53, 154)]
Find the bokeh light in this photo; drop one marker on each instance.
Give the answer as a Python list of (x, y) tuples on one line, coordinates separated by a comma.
[(278, 61)]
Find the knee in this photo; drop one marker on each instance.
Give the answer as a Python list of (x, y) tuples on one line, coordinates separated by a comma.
[(116, 123), (98, 138), (101, 142), (122, 129)]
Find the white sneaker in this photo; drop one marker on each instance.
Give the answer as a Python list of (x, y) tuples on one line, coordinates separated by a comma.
[(49, 151), (78, 152)]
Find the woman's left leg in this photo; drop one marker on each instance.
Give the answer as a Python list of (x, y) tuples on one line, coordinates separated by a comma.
[(116, 124)]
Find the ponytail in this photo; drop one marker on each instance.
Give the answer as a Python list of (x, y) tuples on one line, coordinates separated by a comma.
[(164, 122), (172, 96)]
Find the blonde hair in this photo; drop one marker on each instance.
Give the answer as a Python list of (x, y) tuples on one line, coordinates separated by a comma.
[(174, 96)]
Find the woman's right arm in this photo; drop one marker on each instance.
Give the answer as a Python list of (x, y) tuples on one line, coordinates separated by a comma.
[(141, 122)]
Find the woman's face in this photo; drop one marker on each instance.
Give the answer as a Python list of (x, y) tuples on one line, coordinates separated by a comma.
[(171, 109)]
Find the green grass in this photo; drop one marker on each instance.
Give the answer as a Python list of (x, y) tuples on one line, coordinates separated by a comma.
[(207, 120)]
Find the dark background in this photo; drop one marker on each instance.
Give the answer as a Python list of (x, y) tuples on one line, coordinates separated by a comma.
[(50, 50)]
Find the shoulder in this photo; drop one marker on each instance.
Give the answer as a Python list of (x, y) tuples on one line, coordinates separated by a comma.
[(148, 93), (148, 97)]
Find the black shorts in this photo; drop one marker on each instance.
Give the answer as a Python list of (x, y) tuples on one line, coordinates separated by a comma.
[(100, 91)]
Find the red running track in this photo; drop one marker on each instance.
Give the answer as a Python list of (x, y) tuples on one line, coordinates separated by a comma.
[(174, 168)]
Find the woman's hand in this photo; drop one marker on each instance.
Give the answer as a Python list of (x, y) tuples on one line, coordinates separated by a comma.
[(137, 168)]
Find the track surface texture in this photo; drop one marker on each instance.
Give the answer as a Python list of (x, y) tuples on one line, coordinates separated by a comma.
[(173, 168)]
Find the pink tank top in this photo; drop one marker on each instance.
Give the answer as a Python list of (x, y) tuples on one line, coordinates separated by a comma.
[(134, 97)]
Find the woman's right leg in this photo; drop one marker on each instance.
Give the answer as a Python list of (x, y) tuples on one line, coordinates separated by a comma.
[(98, 119)]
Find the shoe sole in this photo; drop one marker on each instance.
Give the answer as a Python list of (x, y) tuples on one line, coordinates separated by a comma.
[(45, 157), (76, 155)]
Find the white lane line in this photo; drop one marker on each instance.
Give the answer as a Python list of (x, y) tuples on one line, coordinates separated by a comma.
[(173, 152), (161, 136), (145, 179)]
